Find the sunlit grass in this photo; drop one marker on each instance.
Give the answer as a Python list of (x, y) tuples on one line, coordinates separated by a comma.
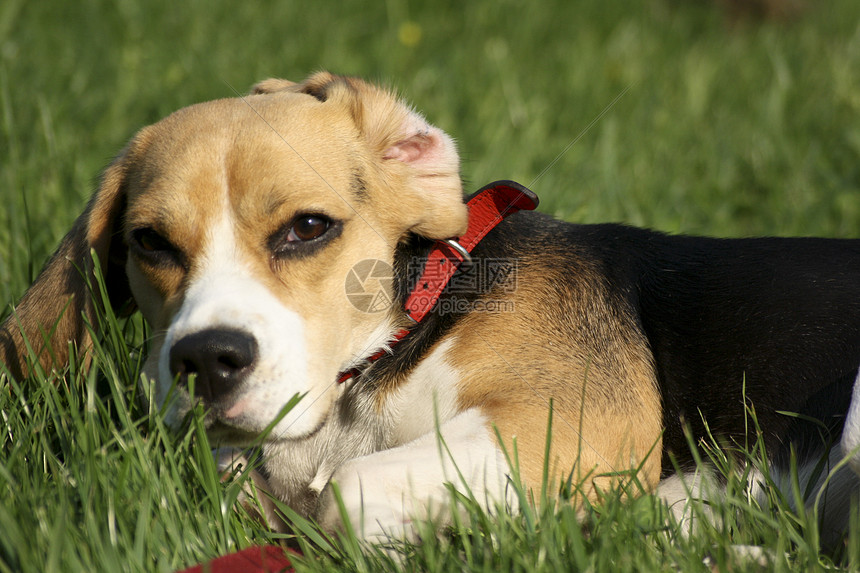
[(656, 113)]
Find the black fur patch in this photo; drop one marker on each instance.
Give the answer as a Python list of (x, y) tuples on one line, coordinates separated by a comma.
[(769, 322)]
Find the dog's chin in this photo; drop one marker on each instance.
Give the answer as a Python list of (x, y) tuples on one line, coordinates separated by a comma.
[(221, 434), (228, 432)]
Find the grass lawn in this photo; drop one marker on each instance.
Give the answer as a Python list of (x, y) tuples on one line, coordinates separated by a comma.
[(659, 113)]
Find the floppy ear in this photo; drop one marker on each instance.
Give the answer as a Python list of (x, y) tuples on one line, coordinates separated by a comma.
[(417, 161), (51, 313), (272, 85), (425, 160)]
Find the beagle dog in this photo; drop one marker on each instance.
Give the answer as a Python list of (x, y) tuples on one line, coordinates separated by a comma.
[(308, 245)]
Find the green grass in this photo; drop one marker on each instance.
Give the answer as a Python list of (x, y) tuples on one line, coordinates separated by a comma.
[(656, 113)]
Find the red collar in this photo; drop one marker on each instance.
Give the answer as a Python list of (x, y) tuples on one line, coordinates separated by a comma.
[(487, 208)]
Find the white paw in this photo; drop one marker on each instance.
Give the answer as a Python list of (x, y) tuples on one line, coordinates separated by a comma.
[(385, 495), (377, 504)]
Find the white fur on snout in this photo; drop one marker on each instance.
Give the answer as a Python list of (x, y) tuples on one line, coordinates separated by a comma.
[(224, 294)]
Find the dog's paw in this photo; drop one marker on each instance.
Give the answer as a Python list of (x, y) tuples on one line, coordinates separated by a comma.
[(378, 505), (388, 494)]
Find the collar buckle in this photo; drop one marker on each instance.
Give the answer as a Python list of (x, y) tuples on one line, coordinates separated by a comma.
[(466, 262)]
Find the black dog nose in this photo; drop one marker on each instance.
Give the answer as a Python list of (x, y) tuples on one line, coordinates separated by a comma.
[(221, 360)]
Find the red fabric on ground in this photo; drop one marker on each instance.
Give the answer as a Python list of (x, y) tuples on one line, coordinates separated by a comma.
[(260, 559)]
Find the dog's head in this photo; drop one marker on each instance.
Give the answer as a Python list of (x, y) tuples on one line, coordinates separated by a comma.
[(237, 223)]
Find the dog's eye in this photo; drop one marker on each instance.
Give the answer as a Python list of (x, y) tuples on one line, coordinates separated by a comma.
[(148, 240), (153, 247), (304, 235), (308, 228)]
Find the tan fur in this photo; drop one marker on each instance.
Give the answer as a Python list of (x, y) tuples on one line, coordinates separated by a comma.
[(584, 355), (170, 180), (356, 154)]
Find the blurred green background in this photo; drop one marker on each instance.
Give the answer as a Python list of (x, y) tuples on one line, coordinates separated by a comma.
[(671, 114)]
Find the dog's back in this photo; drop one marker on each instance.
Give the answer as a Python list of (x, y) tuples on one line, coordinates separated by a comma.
[(767, 323), (749, 338)]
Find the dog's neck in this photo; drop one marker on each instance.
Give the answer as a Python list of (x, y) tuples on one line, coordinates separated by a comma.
[(423, 268)]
